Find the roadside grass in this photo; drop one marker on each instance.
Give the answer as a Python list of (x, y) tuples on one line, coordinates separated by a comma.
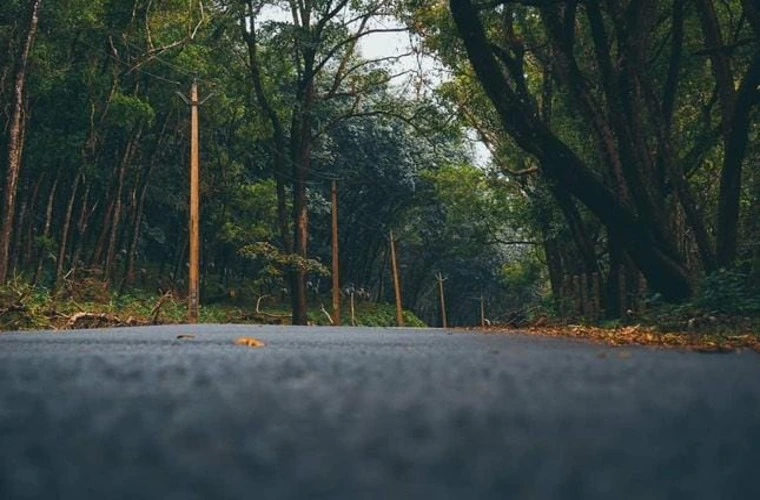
[(26, 307)]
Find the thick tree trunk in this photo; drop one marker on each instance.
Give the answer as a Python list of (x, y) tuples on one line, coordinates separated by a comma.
[(578, 231), (301, 155), (554, 264), (622, 89), (735, 107), (280, 151), (754, 229), (735, 151), (290, 245), (616, 259), (668, 165), (15, 144), (561, 165)]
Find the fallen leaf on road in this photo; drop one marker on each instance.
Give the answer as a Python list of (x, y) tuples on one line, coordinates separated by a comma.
[(185, 337), (249, 342)]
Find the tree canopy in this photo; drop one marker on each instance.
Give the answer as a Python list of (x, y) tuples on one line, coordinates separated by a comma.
[(622, 143)]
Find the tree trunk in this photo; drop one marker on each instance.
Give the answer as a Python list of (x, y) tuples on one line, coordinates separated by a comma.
[(735, 148), (43, 254), (65, 230), (82, 225), (280, 154), (754, 229), (97, 258), (735, 107), (18, 237), (31, 225), (129, 275), (561, 165), (116, 218), (301, 154), (578, 231), (15, 144), (137, 220), (554, 264)]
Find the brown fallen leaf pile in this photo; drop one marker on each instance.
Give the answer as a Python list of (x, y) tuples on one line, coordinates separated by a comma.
[(647, 336)]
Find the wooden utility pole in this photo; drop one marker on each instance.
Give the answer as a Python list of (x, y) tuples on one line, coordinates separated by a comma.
[(482, 312), (353, 310), (194, 223), (192, 313), (396, 283), (444, 323), (335, 257)]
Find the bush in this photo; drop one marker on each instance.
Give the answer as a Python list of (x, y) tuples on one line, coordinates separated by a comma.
[(729, 292), (23, 306)]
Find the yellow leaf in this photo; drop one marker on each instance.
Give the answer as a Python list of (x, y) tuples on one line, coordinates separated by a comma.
[(249, 342)]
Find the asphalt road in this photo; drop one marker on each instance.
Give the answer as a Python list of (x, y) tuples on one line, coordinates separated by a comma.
[(370, 413)]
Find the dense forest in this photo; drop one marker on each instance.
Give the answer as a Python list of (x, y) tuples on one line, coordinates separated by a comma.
[(622, 142)]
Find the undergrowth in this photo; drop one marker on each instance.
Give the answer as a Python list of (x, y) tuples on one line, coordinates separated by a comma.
[(89, 303)]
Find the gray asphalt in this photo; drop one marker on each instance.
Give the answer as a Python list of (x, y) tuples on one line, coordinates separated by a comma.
[(370, 413)]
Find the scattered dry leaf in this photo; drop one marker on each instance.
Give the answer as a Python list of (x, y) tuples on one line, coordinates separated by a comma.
[(648, 336), (249, 342), (184, 336)]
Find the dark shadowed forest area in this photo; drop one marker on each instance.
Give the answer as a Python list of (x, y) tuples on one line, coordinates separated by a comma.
[(587, 161)]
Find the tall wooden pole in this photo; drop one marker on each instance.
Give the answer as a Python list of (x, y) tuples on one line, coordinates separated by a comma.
[(396, 283), (482, 312), (353, 310), (444, 323), (335, 257), (194, 229)]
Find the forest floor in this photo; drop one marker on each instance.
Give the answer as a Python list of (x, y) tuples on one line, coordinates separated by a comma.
[(23, 307), (724, 335)]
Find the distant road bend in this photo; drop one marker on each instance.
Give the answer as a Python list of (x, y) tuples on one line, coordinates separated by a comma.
[(370, 413)]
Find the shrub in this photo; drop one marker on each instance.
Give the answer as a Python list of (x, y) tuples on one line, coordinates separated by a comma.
[(729, 292)]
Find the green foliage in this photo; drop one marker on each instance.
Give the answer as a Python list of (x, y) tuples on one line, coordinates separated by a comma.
[(251, 214), (370, 314), (102, 70), (524, 282), (271, 256), (729, 291), (127, 112)]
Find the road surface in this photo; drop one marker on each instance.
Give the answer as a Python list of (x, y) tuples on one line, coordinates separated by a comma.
[(370, 413)]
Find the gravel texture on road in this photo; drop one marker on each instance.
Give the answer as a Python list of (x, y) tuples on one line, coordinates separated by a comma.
[(370, 413)]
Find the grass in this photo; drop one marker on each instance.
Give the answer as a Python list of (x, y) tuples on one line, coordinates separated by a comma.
[(90, 305)]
